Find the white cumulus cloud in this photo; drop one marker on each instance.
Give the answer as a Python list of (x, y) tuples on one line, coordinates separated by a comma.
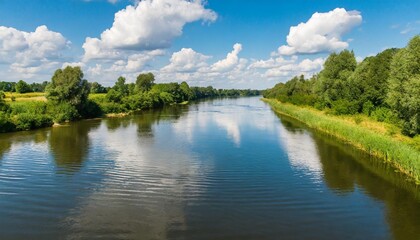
[(149, 25), (230, 61), (321, 33), (31, 52), (186, 60)]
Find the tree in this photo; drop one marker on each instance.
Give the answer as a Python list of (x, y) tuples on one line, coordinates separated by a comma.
[(371, 77), (186, 91), (96, 87), (3, 105), (333, 83), (7, 86), (145, 81), (39, 87), (404, 86), (68, 86), (121, 87), (23, 87)]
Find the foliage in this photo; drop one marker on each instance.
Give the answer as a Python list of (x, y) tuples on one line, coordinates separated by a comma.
[(23, 87), (63, 112), (385, 87), (96, 87), (404, 86), (27, 121), (145, 81), (7, 86), (69, 89)]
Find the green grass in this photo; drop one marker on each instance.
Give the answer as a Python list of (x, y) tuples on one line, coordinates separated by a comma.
[(397, 150)]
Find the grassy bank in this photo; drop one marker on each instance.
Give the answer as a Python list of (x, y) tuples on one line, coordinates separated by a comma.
[(376, 138)]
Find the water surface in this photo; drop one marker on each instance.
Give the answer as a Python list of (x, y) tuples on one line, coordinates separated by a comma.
[(218, 169)]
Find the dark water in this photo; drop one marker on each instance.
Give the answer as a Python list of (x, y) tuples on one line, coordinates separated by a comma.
[(221, 169)]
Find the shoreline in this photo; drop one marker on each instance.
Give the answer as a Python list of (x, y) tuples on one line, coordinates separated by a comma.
[(400, 155)]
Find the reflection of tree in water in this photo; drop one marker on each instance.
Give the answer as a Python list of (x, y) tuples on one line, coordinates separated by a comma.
[(345, 167), (8, 139), (290, 124), (70, 144), (146, 119), (113, 124)]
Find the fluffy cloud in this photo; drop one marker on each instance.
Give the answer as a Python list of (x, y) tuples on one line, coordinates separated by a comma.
[(31, 52), (135, 62), (321, 33), (230, 61), (150, 25), (186, 60), (306, 67)]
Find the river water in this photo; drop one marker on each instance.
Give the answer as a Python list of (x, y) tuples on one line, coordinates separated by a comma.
[(217, 169)]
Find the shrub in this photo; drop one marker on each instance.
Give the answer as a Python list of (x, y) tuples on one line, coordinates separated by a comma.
[(63, 112), (343, 107), (34, 107), (5, 124), (91, 110), (368, 108), (383, 114), (27, 121)]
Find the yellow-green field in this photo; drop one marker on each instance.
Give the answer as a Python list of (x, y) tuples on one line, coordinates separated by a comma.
[(25, 97)]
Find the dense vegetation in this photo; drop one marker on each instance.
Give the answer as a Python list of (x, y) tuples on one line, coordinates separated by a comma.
[(70, 97), (385, 87)]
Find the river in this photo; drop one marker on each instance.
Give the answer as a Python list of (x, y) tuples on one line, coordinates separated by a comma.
[(217, 169)]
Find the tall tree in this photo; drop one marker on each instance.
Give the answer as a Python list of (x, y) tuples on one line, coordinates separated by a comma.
[(404, 86), (371, 77), (145, 81), (333, 81), (68, 86)]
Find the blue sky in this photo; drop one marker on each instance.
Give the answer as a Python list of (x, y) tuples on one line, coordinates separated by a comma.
[(240, 44)]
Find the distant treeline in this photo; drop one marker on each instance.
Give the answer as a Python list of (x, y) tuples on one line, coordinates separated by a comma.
[(22, 87), (70, 97), (385, 87)]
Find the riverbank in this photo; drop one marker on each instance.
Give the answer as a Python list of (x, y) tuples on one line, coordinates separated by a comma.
[(392, 148)]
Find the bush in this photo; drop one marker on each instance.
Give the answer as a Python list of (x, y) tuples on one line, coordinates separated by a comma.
[(91, 110), (35, 107), (112, 107), (383, 114), (27, 121), (166, 98), (368, 108), (5, 123), (63, 112), (343, 107)]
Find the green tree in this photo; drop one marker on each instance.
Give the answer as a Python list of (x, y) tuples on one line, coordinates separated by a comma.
[(3, 105), (404, 86), (39, 87), (23, 87), (145, 81), (96, 87), (371, 77), (68, 87), (121, 87), (333, 83), (187, 93)]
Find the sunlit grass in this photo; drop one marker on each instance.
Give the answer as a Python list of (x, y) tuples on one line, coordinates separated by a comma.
[(25, 97), (379, 139)]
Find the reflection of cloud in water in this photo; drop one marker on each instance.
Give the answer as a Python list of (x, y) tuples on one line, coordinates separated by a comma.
[(145, 191), (301, 151), (231, 125), (230, 118)]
